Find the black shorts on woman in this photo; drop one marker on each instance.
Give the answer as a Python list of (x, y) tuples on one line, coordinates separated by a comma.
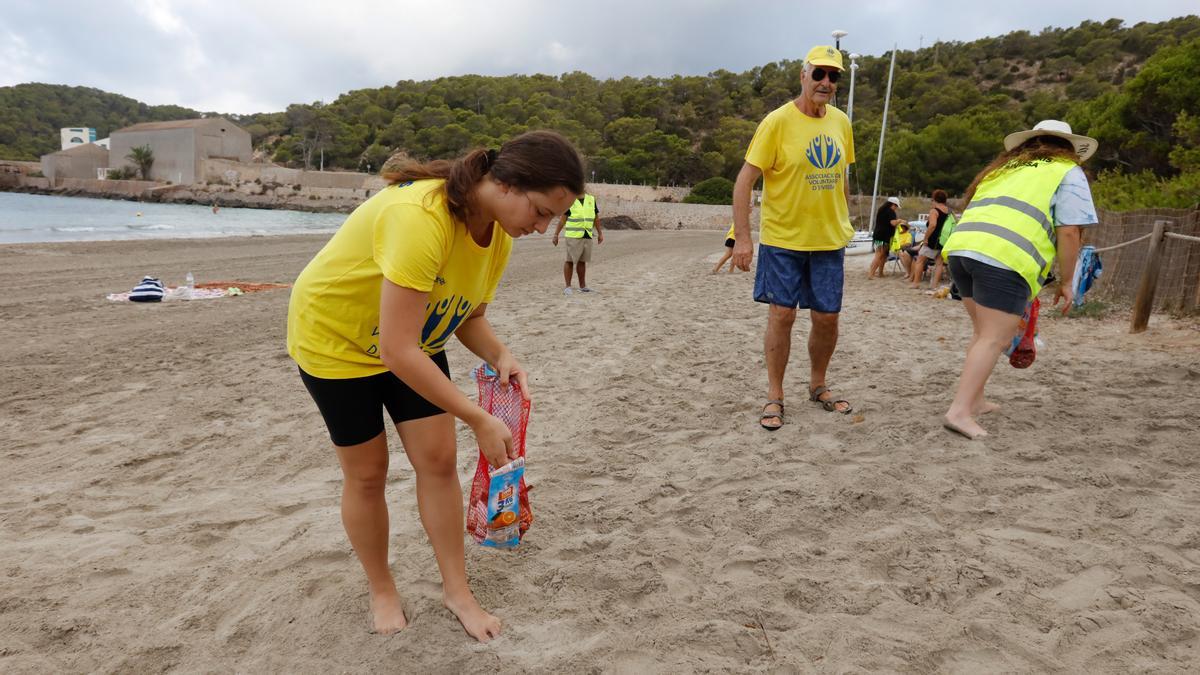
[(353, 407), (989, 286)]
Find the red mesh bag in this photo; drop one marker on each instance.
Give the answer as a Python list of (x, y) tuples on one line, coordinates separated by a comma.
[(1024, 348), (506, 404)]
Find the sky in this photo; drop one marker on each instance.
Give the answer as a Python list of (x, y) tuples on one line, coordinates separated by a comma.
[(260, 55)]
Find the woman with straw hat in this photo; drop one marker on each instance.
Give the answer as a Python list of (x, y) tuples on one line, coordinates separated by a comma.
[(1024, 209)]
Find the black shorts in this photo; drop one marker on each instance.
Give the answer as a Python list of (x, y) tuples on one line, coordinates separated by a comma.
[(729, 242), (353, 408), (989, 286)]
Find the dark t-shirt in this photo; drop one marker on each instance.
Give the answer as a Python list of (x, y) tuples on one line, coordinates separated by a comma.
[(884, 230), (934, 239), (568, 215)]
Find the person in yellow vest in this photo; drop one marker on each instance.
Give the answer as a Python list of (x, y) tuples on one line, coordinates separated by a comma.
[(368, 322), (729, 241), (1024, 209), (582, 223), (802, 150), (902, 241)]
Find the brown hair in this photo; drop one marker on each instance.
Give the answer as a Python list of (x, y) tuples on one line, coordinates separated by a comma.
[(939, 196), (1036, 148), (536, 160)]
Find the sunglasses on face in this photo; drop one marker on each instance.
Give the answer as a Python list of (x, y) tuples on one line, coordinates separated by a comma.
[(819, 74)]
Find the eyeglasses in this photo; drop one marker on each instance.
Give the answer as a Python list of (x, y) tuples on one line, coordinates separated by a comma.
[(819, 74)]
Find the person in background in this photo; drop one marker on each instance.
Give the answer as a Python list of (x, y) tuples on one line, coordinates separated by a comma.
[(931, 247), (728, 255), (902, 246), (886, 222), (582, 223), (1024, 209), (368, 322)]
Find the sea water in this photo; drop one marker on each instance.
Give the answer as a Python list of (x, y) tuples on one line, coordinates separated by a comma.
[(45, 218)]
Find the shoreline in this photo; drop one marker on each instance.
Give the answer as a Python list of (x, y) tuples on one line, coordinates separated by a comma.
[(221, 199)]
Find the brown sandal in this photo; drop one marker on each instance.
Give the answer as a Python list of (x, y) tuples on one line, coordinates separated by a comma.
[(830, 405), (770, 415)]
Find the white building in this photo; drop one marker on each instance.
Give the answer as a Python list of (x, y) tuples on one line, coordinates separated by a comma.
[(73, 136)]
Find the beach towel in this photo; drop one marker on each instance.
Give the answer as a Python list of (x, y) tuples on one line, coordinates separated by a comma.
[(1087, 270), (149, 290), (172, 293), (507, 404)]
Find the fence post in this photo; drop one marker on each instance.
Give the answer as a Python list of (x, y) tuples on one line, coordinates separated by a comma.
[(1145, 296)]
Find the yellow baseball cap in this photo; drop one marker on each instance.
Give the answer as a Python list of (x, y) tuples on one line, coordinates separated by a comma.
[(825, 55)]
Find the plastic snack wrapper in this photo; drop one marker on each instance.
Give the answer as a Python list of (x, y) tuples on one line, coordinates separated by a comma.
[(498, 513), (1023, 349), (503, 506)]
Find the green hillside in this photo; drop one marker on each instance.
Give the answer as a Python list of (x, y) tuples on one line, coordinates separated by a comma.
[(1137, 89), (32, 114)]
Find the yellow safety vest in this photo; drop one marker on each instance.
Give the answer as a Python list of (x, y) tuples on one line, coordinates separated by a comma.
[(582, 218), (1009, 220)]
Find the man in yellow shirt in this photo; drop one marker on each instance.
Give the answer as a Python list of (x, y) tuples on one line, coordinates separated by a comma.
[(802, 151)]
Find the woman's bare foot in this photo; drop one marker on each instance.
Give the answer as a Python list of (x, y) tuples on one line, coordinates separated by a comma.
[(965, 425), (387, 613), (478, 623), (985, 408)]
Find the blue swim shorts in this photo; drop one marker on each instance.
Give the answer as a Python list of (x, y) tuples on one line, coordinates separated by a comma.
[(800, 279)]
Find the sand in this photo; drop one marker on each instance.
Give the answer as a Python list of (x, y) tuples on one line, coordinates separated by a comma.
[(169, 500)]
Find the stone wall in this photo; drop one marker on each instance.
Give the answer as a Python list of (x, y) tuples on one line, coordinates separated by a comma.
[(637, 193), (236, 173), (130, 188)]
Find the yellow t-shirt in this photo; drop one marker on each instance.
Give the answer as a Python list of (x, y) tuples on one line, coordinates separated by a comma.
[(729, 234), (406, 234), (804, 161)]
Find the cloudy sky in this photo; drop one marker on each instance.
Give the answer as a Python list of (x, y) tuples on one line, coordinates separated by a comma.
[(260, 55)]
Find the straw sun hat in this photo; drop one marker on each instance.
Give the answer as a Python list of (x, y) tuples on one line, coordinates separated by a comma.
[(1085, 146)]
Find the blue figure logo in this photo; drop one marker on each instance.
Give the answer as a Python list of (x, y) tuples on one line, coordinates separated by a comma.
[(823, 152)]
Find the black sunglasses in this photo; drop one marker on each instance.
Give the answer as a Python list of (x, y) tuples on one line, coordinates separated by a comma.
[(819, 74)]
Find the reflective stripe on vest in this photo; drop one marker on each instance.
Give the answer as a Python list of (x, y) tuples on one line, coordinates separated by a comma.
[(582, 218), (1009, 220)]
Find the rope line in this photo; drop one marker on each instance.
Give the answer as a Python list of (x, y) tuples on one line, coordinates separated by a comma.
[(1182, 236), (1131, 241)]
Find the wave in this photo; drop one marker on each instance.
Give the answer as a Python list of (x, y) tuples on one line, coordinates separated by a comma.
[(156, 226)]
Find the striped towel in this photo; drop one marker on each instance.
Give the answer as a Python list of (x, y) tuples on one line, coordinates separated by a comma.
[(150, 290)]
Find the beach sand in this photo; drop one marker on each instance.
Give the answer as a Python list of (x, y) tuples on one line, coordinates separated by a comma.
[(169, 498)]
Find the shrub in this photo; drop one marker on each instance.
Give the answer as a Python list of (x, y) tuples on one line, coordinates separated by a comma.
[(716, 190), (1143, 190)]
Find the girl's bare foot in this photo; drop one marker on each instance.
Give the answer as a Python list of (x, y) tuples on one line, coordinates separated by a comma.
[(985, 408), (478, 623), (387, 613), (965, 425)]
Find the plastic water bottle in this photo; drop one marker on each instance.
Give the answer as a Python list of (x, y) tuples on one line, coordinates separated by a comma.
[(189, 284)]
